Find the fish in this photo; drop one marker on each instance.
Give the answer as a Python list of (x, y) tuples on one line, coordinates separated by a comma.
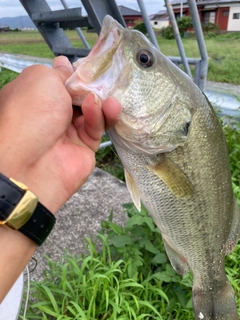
[(174, 155)]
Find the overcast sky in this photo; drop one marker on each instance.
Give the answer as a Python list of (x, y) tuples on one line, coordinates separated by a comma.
[(13, 8)]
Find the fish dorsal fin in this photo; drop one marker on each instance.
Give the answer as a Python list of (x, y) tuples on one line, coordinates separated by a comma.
[(173, 177), (133, 190)]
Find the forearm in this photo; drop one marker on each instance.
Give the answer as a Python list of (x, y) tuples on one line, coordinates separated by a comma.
[(16, 251)]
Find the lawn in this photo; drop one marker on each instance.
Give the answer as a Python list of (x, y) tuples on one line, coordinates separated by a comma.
[(223, 50)]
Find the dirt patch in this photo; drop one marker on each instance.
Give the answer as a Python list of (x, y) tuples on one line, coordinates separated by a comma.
[(20, 41)]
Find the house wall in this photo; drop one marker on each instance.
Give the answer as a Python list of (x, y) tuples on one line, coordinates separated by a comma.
[(233, 24), (221, 18), (132, 20), (159, 24), (224, 21)]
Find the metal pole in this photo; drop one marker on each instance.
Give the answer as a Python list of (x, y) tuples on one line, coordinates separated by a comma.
[(148, 24), (79, 31), (201, 43), (177, 37)]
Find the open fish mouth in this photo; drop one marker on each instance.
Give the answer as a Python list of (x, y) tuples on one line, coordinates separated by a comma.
[(99, 71)]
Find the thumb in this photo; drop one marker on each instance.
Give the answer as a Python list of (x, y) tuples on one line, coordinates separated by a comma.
[(63, 65)]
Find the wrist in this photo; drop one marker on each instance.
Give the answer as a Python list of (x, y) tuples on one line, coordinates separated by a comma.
[(16, 251)]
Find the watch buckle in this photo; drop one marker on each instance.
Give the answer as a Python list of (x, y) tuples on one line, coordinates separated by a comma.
[(23, 210)]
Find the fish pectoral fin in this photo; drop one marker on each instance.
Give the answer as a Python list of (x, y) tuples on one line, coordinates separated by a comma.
[(173, 177), (178, 263), (133, 190)]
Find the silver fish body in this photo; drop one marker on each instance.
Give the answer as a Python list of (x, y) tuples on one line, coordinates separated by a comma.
[(174, 155)]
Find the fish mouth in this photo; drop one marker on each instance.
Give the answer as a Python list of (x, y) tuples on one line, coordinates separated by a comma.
[(93, 73)]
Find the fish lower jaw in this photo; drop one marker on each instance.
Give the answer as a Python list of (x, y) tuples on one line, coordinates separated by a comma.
[(141, 148)]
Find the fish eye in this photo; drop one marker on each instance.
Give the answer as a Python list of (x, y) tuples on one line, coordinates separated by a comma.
[(145, 58)]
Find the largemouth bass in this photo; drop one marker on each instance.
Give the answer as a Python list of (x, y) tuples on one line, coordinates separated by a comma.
[(174, 156)]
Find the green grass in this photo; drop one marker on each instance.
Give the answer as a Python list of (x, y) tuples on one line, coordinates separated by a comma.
[(223, 50), (6, 76)]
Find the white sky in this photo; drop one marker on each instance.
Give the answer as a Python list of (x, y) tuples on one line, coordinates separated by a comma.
[(14, 8)]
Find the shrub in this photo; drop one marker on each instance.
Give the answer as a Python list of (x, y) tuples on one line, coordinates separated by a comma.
[(210, 28), (141, 27), (183, 24), (167, 32)]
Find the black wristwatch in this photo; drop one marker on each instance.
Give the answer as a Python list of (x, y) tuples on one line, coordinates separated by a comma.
[(20, 210)]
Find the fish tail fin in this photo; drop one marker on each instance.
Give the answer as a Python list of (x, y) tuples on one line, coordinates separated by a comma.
[(218, 305)]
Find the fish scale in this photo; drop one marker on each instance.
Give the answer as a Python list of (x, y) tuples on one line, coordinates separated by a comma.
[(174, 155)]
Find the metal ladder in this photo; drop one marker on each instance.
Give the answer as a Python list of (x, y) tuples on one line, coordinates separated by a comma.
[(51, 24)]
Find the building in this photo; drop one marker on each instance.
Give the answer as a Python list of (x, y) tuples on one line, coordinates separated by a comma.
[(4, 28), (224, 13), (159, 20), (130, 16)]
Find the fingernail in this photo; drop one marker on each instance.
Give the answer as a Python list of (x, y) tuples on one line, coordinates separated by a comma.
[(63, 62), (97, 100)]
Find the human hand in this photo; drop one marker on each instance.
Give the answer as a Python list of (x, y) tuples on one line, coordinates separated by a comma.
[(43, 143)]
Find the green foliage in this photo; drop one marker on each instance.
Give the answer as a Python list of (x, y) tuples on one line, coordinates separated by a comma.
[(210, 35), (141, 27), (184, 23), (210, 28), (6, 76), (231, 129), (108, 160), (230, 35), (91, 287), (167, 33)]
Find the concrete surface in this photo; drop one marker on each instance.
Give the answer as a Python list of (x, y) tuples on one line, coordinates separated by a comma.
[(223, 87), (81, 217)]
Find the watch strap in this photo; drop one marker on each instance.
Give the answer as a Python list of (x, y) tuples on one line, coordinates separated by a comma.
[(38, 227)]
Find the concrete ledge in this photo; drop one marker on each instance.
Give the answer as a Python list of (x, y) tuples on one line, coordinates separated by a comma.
[(81, 217)]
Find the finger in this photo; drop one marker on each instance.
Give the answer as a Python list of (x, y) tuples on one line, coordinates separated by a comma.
[(91, 126), (94, 121), (63, 66), (111, 109), (77, 112)]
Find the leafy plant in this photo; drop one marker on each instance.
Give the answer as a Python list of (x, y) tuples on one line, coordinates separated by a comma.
[(210, 28), (167, 32), (93, 287), (108, 160), (231, 129), (141, 27), (184, 23)]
